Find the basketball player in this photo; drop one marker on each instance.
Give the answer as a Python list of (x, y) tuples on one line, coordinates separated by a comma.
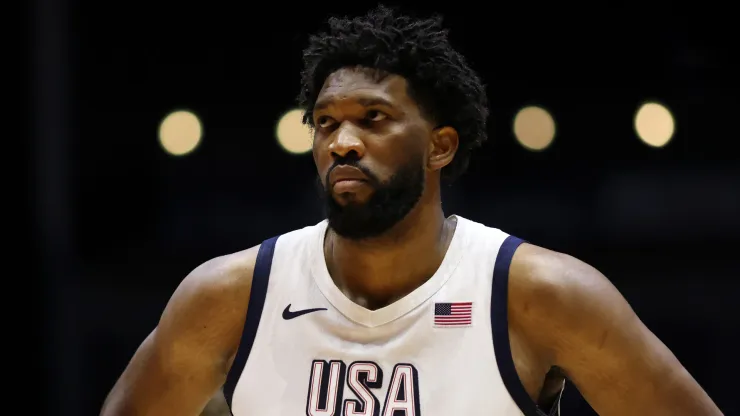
[(389, 307)]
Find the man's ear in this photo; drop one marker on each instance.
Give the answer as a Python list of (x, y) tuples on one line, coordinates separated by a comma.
[(442, 147)]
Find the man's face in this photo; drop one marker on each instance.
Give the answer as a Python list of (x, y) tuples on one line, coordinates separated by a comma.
[(370, 149)]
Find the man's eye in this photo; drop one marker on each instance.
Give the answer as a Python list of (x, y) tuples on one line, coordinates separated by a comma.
[(324, 121), (375, 115)]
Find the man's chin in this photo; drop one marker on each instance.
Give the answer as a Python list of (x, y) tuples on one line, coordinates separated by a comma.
[(350, 199)]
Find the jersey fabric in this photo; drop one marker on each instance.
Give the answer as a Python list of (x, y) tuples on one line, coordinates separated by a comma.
[(442, 350)]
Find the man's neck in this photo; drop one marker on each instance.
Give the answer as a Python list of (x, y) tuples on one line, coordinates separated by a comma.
[(374, 273)]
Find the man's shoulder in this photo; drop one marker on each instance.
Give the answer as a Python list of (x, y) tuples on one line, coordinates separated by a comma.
[(222, 276), (231, 268), (546, 285), (237, 268), (559, 298), (540, 268)]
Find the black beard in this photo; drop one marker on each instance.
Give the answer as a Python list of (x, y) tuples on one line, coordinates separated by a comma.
[(389, 203)]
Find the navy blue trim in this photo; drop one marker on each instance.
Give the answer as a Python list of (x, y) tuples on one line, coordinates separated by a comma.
[(500, 328), (261, 277)]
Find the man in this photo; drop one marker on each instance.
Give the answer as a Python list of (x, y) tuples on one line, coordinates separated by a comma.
[(389, 307)]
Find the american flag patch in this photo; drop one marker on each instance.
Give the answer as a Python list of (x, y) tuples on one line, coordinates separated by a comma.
[(452, 314)]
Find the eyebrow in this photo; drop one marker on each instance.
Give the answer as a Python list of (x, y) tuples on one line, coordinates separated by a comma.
[(365, 102)]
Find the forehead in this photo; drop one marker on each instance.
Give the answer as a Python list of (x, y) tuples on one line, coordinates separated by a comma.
[(353, 84)]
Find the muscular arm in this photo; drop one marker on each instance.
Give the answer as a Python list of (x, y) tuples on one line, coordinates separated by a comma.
[(183, 362), (580, 322)]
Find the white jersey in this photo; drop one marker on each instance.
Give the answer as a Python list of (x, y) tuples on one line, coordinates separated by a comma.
[(441, 350)]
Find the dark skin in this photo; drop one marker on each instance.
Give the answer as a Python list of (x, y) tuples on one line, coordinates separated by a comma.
[(385, 126), (183, 363), (562, 312)]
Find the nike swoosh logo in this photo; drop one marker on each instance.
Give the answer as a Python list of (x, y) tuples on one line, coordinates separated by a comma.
[(287, 314)]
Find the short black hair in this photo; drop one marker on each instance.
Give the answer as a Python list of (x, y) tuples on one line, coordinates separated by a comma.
[(440, 80)]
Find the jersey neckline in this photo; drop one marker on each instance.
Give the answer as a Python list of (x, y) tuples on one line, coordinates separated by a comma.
[(399, 308)]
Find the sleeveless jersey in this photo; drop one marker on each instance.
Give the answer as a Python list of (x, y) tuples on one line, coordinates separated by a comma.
[(442, 350)]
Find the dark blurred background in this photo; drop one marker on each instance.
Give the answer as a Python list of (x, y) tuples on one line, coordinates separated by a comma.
[(120, 221)]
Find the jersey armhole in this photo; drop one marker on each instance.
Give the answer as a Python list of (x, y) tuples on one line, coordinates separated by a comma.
[(500, 331), (260, 279)]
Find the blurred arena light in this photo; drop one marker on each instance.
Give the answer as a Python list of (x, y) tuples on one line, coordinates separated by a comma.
[(180, 132), (292, 135), (534, 128), (654, 124)]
